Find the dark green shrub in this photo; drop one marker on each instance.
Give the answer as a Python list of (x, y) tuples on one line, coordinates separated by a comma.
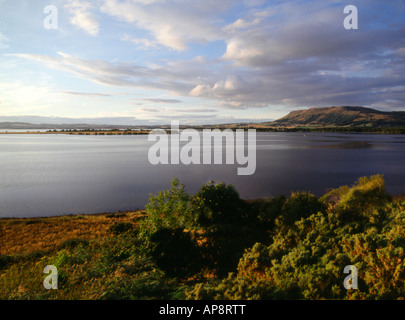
[(300, 205), (175, 252), (120, 227), (218, 205), (116, 215), (229, 225), (73, 243), (5, 260)]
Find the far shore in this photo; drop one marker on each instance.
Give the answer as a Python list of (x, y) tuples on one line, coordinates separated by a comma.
[(81, 132), (269, 129)]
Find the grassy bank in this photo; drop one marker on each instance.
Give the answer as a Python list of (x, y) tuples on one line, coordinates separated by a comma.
[(213, 245)]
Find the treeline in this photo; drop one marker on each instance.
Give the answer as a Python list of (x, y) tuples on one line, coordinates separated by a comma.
[(100, 131), (214, 245)]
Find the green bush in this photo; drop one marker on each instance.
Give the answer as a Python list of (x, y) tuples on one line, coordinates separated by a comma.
[(359, 202), (216, 205), (176, 253), (167, 209), (300, 205), (120, 227)]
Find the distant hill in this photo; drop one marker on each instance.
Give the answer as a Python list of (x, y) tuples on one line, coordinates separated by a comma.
[(49, 126), (330, 117), (39, 122), (344, 116)]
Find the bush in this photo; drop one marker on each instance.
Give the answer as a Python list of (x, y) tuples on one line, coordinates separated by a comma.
[(120, 227), (167, 209), (73, 243), (176, 253), (227, 223), (300, 205), (359, 202), (216, 205)]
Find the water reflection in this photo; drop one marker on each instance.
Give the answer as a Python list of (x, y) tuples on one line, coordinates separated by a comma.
[(42, 175)]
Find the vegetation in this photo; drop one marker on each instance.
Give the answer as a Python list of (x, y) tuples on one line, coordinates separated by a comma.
[(214, 245)]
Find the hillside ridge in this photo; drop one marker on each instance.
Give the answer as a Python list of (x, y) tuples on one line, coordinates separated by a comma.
[(342, 116)]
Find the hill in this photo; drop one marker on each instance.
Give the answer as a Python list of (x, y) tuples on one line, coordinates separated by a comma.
[(344, 116), (49, 126)]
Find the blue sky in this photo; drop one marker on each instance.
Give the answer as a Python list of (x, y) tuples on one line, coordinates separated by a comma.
[(200, 61)]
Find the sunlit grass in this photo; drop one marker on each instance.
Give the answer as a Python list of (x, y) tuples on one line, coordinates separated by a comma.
[(44, 234)]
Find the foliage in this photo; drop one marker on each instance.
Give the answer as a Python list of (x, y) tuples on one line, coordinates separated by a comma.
[(120, 227), (216, 205), (167, 209), (300, 205), (214, 245), (306, 260), (176, 252)]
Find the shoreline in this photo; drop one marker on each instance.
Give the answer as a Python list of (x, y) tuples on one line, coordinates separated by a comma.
[(94, 133), (336, 130), (400, 197), (73, 215)]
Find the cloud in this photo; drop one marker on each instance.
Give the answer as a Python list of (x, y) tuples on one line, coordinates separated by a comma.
[(291, 54), (151, 110), (195, 110), (172, 24), (3, 41), (162, 100), (174, 77), (82, 17), (88, 94), (141, 43)]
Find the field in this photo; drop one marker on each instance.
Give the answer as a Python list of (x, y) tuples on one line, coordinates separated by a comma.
[(27, 235)]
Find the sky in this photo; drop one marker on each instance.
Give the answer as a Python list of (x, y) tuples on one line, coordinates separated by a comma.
[(198, 61)]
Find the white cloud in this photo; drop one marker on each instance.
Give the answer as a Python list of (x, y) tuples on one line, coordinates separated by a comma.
[(3, 40), (170, 101), (141, 43), (82, 17), (172, 24), (291, 54)]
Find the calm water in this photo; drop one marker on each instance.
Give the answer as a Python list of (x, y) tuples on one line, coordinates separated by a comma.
[(43, 175)]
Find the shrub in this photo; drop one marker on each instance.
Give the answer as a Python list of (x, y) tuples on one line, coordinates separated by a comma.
[(219, 204), (300, 205), (120, 227), (226, 221), (73, 243), (359, 202), (116, 215), (167, 209), (176, 253)]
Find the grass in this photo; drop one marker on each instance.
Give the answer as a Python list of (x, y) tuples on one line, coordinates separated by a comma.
[(27, 235)]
